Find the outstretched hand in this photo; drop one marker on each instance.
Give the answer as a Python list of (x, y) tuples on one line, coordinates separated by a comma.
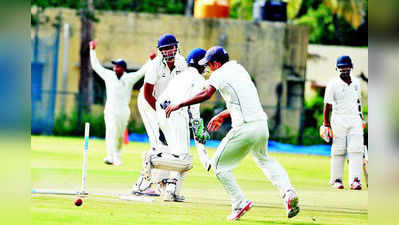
[(215, 123), (170, 109), (93, 44)]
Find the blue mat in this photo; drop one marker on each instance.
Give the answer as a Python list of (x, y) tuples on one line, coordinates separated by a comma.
[(323, 150)]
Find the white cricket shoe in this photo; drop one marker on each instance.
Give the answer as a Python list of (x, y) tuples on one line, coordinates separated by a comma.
[(148, 192), (117, 158), (109, 160), (356, 185), (238, 213), (143, 187), (338, 184), (291, 203), (170, 197)]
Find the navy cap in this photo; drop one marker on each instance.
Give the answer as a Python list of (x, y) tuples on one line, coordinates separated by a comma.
[(167, 40), (120, 62), (344, 61), (195, 55), (216, 53)]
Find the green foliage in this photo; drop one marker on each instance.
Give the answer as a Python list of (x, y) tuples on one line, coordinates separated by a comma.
[(313, 120), (68, 125), (241, 9), (150, 6), (320, 22), (327, 27)]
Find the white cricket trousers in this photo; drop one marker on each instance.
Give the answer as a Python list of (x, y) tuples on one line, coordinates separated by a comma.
[(115, 125), (348, 138), (150, 120), (248, 137), (177, 133)]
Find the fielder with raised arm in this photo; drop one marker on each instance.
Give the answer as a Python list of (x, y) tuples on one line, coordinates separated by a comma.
[(249, 131), (176, 128), (163, 68), (342, 98), (118, 86)]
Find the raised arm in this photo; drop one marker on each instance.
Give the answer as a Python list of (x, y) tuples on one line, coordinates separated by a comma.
[(136, 76), (200, 97), (95, 64)]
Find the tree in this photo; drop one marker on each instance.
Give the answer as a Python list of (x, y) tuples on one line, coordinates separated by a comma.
[(86, 75), (353, 11)]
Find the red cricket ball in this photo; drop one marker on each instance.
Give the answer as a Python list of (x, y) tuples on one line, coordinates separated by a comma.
[(78, 202)]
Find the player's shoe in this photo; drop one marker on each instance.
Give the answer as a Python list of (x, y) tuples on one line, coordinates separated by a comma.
[(148, 192), (238, 213), (169, 197), (109, 161), (291, 203), (356, 185), (117, 158), (143, 187), (338, 184)]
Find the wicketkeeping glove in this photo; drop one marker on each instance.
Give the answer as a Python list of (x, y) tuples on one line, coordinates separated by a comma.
[(200, 133)]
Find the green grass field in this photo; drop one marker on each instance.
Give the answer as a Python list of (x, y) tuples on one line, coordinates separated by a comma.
[(57, 161)]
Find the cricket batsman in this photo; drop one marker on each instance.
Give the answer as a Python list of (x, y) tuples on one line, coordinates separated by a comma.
[(176, 127), (249, 131), (118, 84), (342, 98), (163, 68)]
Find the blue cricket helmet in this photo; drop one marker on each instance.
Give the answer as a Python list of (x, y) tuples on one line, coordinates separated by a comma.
[(216, 53), (344, 61), (120, 62), (195, 55), (167, 40)]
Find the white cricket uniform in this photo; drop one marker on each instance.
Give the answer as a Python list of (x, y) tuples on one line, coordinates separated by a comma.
[(347, 128), (159, 75), (249, 132), (116, 111), (176, 127)]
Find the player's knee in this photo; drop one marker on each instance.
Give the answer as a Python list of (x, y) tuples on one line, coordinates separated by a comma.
[(337, 150), (355, 143)]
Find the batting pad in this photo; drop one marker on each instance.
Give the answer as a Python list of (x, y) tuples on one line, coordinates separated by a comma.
[(167, 161)]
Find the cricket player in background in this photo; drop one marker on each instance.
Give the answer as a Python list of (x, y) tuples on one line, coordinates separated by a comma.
[(176, 127), (163, 68), (118, 86), (342, 98), (249, 131)]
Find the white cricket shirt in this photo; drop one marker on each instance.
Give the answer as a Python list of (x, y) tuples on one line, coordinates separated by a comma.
[(159, 73), (184, 86), (343, 97), (118, 91), (239, 93)]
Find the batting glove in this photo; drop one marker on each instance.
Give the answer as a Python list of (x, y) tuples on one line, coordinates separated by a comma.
[(200, 133), (326, 133)]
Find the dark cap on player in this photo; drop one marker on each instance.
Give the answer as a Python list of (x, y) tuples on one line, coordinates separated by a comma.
[(167, 40), (195, 55), (216, 53), (344, 61), (120, 62)]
